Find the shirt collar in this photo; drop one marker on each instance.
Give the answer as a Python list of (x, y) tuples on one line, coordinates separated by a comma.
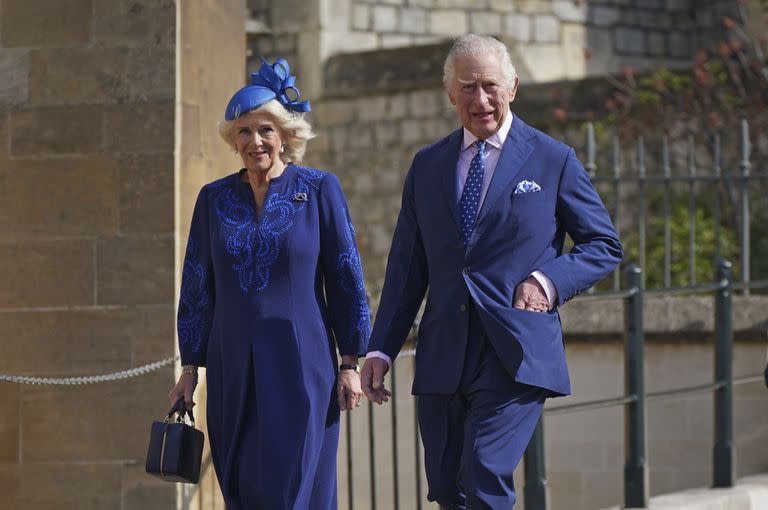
[(495, 140)]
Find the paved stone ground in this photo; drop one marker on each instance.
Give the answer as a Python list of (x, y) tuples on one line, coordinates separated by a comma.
[(750, 493)]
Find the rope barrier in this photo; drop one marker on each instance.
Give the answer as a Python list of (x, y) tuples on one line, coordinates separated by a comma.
[(114, 376), (89, 379)]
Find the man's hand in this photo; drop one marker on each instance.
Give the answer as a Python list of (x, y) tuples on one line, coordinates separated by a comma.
[(372, 378), (530, 296)]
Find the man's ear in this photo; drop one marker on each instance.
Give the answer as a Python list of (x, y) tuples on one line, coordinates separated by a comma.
[(450, 95), (513, 92)]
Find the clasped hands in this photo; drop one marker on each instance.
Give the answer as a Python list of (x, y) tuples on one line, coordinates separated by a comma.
[(348, 390), (529, 295)]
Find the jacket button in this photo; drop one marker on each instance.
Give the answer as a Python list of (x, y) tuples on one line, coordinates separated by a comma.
[(463, 308)]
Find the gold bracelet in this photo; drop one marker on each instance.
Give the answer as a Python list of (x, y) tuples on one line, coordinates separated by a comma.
[(189, 369)]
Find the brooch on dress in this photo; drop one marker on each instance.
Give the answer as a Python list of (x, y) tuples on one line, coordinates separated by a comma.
[(300, 197)]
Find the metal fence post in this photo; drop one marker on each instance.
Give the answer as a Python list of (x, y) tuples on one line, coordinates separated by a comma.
[(691, 210), (723, 454), (395, 442), (641, 203), (636, 489), (746, 149), (667, 169), (616, 159), (535, 470), (350, 466), (416, 445), (372, 453)]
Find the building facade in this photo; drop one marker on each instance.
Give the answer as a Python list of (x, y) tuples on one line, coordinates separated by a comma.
[(108, 113)]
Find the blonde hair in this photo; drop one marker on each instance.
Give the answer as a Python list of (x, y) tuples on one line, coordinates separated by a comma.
[(294, 130)]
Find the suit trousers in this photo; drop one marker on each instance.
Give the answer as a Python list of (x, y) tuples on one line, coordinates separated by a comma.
[(474, 438)]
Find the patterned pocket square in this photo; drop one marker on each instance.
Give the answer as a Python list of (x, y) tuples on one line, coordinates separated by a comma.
[(527, 187)]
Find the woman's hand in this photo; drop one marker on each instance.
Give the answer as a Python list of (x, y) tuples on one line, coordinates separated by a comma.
[(349, 390), (184, 388)]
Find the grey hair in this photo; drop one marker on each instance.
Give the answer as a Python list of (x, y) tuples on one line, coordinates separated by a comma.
[(474, 45), (294, 129)]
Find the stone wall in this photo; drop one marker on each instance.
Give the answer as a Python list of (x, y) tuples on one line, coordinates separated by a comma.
[(369, 143), (585, 450), (91, 203), (86, 246), (556, 32), (374, 105), (549, 39)]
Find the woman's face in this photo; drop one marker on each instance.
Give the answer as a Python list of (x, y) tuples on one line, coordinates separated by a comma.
[(258, 142)]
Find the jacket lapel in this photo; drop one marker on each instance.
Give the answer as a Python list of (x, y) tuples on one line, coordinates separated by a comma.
[(445, 165), (513, 156)]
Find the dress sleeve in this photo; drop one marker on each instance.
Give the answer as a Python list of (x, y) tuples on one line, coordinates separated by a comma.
[(196, 299), (342, 271)]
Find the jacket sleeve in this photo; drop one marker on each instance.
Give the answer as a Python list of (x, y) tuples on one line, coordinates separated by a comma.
[(596, 249), (348, 309), (405, 282), (196, 299)]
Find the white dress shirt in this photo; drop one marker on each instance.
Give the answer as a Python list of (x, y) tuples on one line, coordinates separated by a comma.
[(493, 147)]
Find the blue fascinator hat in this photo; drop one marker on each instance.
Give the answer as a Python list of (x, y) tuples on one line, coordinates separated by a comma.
[(273, 81)]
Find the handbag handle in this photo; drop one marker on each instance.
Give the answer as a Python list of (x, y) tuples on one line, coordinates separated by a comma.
[(180, 409)]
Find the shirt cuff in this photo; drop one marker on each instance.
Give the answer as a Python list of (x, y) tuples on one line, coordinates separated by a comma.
[(379, 354), (549, 287)]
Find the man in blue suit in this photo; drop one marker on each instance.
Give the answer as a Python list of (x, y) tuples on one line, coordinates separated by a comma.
[(483, 219)]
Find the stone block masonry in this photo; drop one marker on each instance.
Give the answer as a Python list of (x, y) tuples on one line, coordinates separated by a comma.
[(550, 40), (90, 225), (537, 21), (45, 23)]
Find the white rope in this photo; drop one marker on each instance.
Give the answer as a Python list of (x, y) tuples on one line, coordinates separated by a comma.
[(90, 379)]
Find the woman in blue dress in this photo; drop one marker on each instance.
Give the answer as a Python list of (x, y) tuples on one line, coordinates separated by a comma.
[(271, 287)]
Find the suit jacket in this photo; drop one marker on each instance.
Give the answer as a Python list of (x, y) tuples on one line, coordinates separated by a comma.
[(515, 234)]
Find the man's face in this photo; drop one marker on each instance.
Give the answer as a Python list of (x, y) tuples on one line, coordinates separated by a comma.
[(480, 93)]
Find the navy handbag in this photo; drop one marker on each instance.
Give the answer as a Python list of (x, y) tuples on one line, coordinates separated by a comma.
[(175, 448)]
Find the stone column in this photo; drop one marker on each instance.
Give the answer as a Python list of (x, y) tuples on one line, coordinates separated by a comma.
[(211, 59), (96, 177)]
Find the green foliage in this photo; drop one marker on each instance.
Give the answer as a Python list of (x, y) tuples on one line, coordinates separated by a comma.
[(704, 248), (759, 235), (725, 83)]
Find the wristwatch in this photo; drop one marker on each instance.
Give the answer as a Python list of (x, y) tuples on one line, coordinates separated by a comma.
[(349, 366)]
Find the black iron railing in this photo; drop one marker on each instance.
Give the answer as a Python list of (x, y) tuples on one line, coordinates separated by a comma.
[(725, 191), (636, 469)]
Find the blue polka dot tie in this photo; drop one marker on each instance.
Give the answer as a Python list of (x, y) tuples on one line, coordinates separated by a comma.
[(470, 195)]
